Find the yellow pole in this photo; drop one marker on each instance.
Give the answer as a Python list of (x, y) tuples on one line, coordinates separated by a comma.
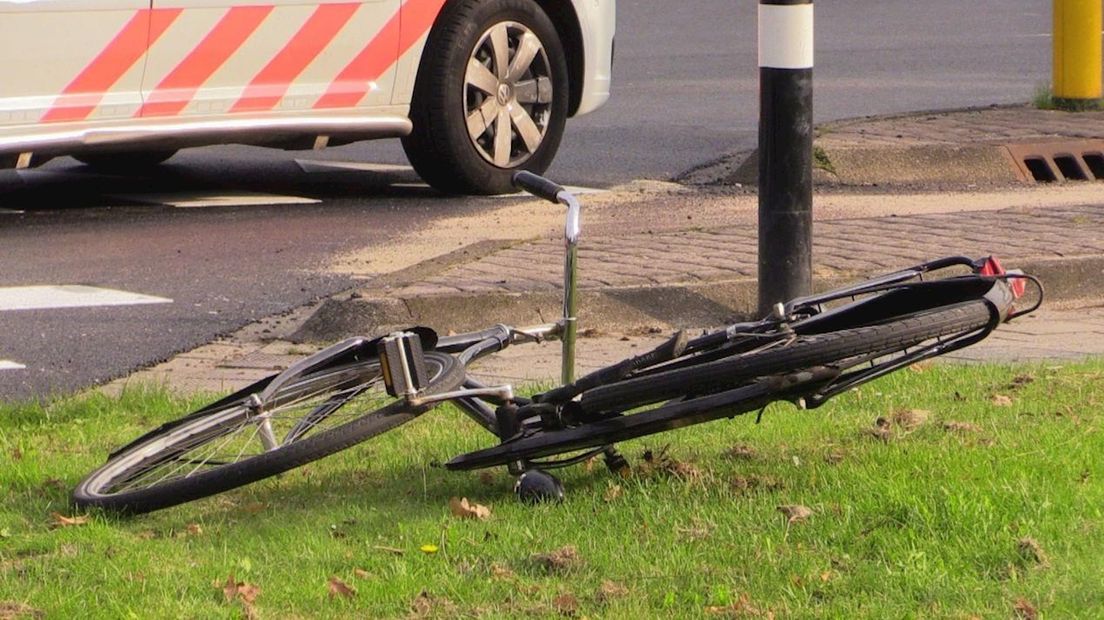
[(1077, 50)]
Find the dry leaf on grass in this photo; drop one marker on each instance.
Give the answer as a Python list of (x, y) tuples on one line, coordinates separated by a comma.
[(1025, 610), (337, 587), (795, 512), (240, 590), (193, 529), (461, 507), (835, 457), (662, 463), (1000, 400), (961, 427), (566, 604), (881, 433), (10, 610), (910, 419), (561, 560), (428, 548), (425, 605), (1019, 381), (613, 491), (610, 590), (755, 482), (501, 572), (360, 573), (1031, 552), (742, 452), (59, 520)]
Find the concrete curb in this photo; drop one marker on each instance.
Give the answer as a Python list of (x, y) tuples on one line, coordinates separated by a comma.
[(621, 309), (912, 165), (967, 146)]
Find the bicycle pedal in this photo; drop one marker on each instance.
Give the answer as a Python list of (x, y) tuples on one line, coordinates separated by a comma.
[(402, 364)]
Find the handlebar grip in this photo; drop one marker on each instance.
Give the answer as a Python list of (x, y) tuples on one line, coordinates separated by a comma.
[(537, 185)]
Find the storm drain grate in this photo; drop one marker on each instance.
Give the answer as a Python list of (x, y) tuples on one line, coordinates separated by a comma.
[(1070, 160)]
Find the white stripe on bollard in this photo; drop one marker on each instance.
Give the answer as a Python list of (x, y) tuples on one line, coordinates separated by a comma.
[(786, 36)]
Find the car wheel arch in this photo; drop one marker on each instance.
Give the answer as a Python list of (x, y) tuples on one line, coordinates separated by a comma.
[(564, 18)]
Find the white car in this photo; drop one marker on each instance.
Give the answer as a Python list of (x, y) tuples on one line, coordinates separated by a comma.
[(476, 89)]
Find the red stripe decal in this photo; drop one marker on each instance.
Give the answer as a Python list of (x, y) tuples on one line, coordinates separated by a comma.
[(179, 87), (84, 93), (272, 83), (382, 52)]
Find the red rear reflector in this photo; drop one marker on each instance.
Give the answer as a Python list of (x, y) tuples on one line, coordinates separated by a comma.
[(992, 267)]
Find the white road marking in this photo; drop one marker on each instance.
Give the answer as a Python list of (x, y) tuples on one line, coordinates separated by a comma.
[(411, 185), (317, 165), (10, 212), (70, 296), (216, 199), (10, 365)]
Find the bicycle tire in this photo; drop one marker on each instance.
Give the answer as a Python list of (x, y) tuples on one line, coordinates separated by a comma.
[(805, 351), (730, 390), (118, 485)]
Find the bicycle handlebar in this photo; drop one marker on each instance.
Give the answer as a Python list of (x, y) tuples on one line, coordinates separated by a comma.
[(538, 186)]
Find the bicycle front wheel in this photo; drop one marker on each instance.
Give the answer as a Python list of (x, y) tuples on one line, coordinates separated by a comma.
[(232, 445)]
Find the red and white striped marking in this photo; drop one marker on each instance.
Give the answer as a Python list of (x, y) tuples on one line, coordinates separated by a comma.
[(79, 99), (333, 55)]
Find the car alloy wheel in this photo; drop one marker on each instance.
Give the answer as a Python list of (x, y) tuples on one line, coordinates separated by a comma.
[(508, 94)]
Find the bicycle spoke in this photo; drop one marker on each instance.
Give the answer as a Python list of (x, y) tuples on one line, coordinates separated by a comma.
[(242, 439)]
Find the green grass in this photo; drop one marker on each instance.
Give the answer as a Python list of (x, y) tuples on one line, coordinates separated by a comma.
[(931, 523), (1044, 99)]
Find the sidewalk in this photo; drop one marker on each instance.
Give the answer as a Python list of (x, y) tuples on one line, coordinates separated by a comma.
[(658, 257)]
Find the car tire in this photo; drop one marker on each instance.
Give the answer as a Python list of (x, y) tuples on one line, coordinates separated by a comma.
[(124, 161), (471, 88)]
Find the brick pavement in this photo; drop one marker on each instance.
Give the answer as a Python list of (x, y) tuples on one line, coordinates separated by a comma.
[(1065, 241), (845, 248), (994, 125)]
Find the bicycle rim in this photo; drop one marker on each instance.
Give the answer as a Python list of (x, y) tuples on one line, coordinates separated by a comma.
[(317, 415)]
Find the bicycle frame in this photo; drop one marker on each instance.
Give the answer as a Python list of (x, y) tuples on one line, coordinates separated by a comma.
[(496, 408), (806, 351)]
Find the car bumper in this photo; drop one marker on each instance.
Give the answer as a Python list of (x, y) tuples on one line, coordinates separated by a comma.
[(598, 22)]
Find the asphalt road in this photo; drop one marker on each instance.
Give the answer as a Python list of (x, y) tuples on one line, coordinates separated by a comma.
[(686, 76), (684, 93)]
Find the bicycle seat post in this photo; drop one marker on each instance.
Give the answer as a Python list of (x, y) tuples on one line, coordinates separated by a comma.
[(570, 302)]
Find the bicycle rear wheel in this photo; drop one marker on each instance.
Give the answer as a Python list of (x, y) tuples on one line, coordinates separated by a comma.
[(225, 447), (726, 387), (803, 352)]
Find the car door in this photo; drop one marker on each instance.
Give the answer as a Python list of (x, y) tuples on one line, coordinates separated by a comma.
[(73, 60), (227, 56)]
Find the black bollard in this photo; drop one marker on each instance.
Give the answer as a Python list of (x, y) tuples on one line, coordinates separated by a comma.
[(785, 150)]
